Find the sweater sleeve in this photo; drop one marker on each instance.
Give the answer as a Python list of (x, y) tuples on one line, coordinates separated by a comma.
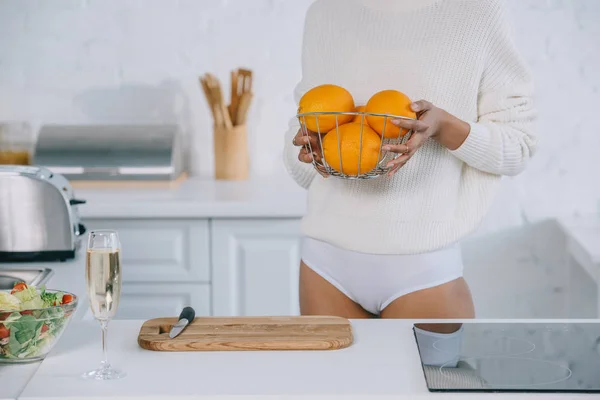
[(303, 173), (502, 141)]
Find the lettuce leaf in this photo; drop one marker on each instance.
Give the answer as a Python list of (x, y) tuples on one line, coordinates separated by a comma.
[(23, 334), (8, 302), (29, 298), (51, 299)]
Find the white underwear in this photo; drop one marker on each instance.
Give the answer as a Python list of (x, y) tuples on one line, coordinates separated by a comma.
[(374, 281)]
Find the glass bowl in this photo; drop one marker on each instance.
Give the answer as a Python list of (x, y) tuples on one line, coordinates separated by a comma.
[(29, 335)]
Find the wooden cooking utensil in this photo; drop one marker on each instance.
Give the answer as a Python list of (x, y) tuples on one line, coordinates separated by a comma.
[(218, 101), (245, 77), (208, 95), (221, 103), (244, 105), (235, 97), (248, 333)]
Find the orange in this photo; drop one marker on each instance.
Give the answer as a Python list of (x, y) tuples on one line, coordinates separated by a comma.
[(359, 118), (326, 98), (390, 102), (349, 147)]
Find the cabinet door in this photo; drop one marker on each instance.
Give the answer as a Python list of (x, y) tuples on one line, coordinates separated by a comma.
[(147, 301), (255, 265), (161, 250)]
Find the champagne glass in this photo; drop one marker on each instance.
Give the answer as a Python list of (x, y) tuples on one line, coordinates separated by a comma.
[(103, 284)]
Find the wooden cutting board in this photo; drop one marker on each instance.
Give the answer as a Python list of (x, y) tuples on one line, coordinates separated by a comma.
[(248, 333)]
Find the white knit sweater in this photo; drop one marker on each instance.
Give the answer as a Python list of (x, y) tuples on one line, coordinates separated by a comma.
[(459, 55)]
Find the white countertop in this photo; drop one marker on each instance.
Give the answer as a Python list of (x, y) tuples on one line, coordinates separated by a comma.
[(68, 276), (13, 379), (382, 363), (277, 197)]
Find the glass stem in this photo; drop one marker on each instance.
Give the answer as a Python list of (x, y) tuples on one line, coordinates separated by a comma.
[(105, 363)]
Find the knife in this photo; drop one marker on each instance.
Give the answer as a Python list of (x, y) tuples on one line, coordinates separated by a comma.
[(185, 318)]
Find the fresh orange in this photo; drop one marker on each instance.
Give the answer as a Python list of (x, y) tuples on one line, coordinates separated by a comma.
[(390, 102), (326, 98), (349, 148), (359, 118)]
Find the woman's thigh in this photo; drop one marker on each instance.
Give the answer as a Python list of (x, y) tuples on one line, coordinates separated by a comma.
[(319, 297), (451, 300)]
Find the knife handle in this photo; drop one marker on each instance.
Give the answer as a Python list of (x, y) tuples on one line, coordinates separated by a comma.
[(187, 313)]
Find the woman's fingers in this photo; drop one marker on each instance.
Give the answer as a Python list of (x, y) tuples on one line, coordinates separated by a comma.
[(416, 141), (311, 150), (321, 171), (396, 167), (414, 125), (421, 106), (301, 139), (420, 135), (305, 155), (399, 161), (397, 148), (406, 151), (296, 139)]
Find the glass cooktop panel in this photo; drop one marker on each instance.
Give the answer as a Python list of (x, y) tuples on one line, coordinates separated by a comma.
[(513, 357)]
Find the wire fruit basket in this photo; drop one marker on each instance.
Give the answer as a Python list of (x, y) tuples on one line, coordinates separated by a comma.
[(362, 160)]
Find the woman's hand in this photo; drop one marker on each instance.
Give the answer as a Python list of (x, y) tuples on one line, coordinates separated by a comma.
[(432, 122), (305, 155)]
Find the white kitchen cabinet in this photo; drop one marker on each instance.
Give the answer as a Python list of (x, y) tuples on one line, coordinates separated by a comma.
[(147, 301), (255, 265), (222, 267), (155, 250)]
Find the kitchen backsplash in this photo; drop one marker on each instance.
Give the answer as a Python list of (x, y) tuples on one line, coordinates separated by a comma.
[(108, 61)]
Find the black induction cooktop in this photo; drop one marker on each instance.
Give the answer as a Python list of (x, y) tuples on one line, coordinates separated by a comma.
[(513, 357)]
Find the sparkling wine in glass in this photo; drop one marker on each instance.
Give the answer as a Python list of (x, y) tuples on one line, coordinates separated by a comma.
[(103, 284)]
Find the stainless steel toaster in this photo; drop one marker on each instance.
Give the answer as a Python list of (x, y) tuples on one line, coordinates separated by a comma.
[(39, 219)]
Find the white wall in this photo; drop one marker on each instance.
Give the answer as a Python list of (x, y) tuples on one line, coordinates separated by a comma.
[(560, 39), (139, 60), (72, 61), (69, 61)]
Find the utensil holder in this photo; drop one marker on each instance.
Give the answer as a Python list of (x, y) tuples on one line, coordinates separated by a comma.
[(232, 161)]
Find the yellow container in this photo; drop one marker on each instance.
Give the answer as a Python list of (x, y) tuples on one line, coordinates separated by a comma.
[(232, 161), (16, 143)]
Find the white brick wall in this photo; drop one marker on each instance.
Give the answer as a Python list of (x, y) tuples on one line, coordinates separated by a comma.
[(561, 39), (138, 61)]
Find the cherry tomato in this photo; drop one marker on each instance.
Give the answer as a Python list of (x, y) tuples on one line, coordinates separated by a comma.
[(67, 298), (44, 328), (4, 332), (4, 315), (18, 287)]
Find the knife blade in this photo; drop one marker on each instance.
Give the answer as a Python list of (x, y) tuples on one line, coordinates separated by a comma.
[(185, 318)]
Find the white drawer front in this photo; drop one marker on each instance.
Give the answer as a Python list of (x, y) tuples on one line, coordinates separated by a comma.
[(255, 267), (148, 301), (161, 250)]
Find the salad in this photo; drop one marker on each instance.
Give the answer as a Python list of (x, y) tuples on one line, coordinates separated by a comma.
[(31, 320)]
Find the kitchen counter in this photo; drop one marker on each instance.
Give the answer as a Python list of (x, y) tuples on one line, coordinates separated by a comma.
[(68, 276), (382, 363), (278, 197)]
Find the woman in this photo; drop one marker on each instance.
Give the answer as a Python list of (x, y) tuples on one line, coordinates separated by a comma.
[(389, 247)]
